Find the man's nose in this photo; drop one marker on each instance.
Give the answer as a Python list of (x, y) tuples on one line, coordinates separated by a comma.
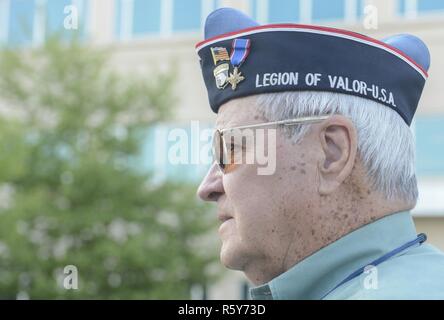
[(211, 187)]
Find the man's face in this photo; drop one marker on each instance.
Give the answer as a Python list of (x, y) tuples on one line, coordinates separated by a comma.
[(263, 217)]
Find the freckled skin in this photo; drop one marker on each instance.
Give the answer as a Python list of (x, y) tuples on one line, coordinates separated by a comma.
[(280, 219)]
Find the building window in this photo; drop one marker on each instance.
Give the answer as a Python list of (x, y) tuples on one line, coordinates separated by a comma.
[(401, 7), (413, 8), (324, 10), (430, 5), (359, 8), (305, 11), (4, 21), (55, 15), (429, 132), (283, 11), (135, 18), (146, 18), (26, 22), (191, 160), (21, 22), (187, 15), (267, 11)]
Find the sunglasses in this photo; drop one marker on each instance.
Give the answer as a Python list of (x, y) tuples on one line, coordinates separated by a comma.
[(225, 156)]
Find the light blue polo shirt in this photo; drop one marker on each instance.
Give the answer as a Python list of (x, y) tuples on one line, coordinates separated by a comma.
[(417, 273)]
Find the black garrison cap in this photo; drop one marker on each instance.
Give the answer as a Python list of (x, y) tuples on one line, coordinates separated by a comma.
[(239, 58)]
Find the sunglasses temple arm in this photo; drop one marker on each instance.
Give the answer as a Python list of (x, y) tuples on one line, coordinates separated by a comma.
[(284, 122)]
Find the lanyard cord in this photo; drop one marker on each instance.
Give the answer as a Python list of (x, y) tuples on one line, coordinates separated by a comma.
[(422, 237)]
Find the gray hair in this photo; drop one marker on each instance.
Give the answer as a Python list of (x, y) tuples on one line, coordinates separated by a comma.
[(385, 143)]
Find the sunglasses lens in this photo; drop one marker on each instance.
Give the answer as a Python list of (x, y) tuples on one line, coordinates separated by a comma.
[(218, 149)]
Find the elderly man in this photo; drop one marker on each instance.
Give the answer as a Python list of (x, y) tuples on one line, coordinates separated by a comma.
[(331, 219)]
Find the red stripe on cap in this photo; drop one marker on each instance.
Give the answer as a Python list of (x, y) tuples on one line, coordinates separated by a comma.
[(319, 28)]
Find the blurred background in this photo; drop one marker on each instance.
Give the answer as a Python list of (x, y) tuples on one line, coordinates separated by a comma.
[(91, 205)]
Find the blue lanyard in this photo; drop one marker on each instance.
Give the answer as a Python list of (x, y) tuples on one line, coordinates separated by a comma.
[(418, 240)]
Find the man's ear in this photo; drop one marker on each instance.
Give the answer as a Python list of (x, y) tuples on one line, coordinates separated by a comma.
[(338, 139)]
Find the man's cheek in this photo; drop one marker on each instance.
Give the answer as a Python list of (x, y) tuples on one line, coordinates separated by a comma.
[(254, 220)]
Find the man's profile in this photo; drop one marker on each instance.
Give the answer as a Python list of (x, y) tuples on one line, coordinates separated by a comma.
[(332, 220)]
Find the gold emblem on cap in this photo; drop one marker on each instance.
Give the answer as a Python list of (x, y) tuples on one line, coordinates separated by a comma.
[(235, 77)]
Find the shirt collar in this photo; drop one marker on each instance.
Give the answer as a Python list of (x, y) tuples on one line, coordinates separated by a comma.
[(320, 272)]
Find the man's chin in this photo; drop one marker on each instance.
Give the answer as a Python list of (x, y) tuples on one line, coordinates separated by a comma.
[(231, 257)]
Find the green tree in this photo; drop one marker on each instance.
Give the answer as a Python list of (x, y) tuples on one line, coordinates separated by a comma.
[(72, 191)]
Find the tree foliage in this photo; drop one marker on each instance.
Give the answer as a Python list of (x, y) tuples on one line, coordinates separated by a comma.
[(72, 191)]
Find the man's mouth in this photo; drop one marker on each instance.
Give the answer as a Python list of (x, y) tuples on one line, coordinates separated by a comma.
[(225, 220), (224, 217)]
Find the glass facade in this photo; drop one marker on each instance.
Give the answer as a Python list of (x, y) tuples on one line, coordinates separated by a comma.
[(146, 16), (56, 12), (30, 21), (187, 15), (430, 5), (276, 11), (323, 10), (283, 11), (55, 15), (360, 8), (135, 18), (419, 7), (429, 132), (182, 152), (21, 21)]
